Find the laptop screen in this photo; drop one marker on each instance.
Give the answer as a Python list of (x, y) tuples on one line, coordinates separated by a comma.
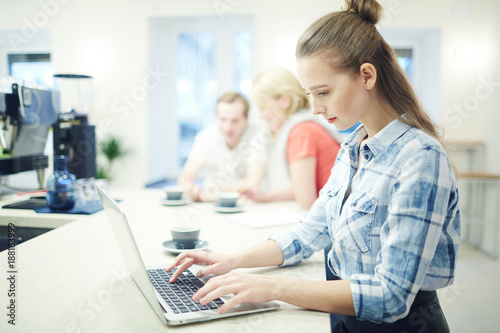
[(129, 250)]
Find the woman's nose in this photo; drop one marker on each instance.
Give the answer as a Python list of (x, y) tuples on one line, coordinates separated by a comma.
[(316, 107)]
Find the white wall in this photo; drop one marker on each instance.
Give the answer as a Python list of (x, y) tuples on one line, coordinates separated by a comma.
[(469, 109), (109, 40)]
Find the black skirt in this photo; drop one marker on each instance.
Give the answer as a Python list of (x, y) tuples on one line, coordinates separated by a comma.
[(425, 316)]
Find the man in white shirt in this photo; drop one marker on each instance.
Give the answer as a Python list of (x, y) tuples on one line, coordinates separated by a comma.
[(232, 152)]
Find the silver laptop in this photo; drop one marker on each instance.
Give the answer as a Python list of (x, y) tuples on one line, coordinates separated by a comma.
[(171, 301)]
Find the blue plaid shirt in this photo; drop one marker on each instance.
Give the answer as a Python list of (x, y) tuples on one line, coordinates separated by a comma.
[(397, 230)]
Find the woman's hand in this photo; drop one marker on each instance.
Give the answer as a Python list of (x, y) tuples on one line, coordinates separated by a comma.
[(251, 288), (255, 194), (217, 264), (193, 192)]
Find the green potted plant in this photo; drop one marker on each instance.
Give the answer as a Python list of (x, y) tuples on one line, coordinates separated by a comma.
[(111, 149)]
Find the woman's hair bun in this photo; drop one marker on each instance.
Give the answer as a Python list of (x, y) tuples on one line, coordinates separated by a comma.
[(369, 10)]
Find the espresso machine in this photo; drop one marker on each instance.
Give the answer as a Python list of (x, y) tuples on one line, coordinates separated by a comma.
[(72, 98), (26, 114)]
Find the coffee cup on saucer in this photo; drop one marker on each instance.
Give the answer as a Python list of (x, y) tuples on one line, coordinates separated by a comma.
[(228, 199), (185, 236), (174, 192)]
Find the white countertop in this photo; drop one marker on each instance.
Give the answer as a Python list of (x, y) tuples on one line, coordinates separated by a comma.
[(29, 218), (73, 279)]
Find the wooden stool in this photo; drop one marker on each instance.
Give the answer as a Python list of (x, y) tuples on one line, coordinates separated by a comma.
[(475, 204)]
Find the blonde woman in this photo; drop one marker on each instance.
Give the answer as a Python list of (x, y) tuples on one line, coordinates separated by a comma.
[(389, 209), (303, 147)]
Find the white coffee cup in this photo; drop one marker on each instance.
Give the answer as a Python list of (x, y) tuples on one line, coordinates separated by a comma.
[(228, 199), (185, 237), (174, 192)]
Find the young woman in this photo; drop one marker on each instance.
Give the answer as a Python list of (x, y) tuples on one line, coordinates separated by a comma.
[(390, 207), (303, 147)]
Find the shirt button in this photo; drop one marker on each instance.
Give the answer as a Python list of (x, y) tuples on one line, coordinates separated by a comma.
[(367, 156)]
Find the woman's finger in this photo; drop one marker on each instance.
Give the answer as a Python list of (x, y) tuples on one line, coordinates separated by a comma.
[(233, 301), (215, 269), (205, 271), (184, 261), (211, 285), (188, 262), (198, 256), (214, 294), (176, 262)]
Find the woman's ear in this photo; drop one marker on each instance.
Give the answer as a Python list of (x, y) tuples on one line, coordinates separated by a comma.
[(284, 102), (368, 73)]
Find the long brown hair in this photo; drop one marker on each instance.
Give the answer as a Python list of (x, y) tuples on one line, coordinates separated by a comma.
[(348, 39)]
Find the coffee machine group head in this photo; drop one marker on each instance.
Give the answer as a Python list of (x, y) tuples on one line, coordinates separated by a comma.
[(72, 98)]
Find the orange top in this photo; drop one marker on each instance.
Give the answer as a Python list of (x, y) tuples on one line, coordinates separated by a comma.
[(311, 139)]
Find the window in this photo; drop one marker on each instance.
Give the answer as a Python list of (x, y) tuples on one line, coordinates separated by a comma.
[(243, 60), (31, 69), (205, 57), (198, 81), (196, 87), (419, 53), (405, 60)]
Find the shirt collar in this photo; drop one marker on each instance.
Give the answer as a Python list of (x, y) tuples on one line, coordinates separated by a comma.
[(381, 140), (356, 136), (222, 141)]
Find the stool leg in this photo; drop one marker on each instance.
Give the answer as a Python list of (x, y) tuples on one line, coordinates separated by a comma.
[(475, 216), (481, 211), (496, 220), (476, 208), (467, 211)]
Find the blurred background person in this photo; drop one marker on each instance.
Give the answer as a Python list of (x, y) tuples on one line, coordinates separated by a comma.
[(303, 148), (232, 154)]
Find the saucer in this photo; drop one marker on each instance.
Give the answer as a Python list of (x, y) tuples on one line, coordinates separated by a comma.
[(235, 209), (180, 202), (170, 246)]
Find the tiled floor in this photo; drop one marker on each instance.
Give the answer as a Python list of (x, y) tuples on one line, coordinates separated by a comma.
[(472, 303)]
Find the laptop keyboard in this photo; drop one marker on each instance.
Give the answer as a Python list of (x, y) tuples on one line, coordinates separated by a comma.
[(179, 295)]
